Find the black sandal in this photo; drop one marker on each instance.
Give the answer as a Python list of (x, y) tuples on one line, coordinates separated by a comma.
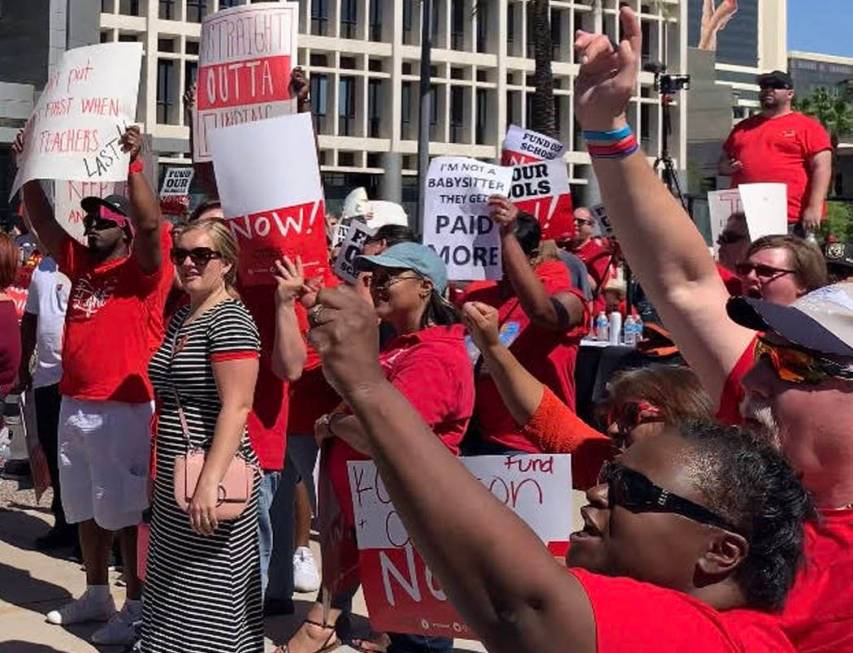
[(332, 641)]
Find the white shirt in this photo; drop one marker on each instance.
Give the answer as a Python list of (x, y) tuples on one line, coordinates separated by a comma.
[(48, 299)]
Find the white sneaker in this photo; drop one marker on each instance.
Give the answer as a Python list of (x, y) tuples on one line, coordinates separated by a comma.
[(306, 578), (92, 606), (121, 628)]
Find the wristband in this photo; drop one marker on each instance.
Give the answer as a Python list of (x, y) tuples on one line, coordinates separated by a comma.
[(615, 150), (135, 166), (608, 136)]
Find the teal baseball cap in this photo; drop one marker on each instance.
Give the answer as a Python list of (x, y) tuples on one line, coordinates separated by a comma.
[(409, 256)]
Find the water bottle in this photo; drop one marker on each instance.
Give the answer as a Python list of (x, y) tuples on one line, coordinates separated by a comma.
[(811, 239), (630, 332), (615, 327), (638, 329), (602, 327)]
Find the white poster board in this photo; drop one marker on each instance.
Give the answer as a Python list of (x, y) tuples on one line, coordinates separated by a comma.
[(269, 184), (176, 182), (456, 218), (86, 105), (245, 60), (351, 247), (766, 209), (67, 196)]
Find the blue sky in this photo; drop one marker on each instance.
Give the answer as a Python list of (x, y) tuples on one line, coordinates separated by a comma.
[(824, 26)]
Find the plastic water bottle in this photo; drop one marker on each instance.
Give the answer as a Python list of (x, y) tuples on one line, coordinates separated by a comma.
[(811, 239), (615, 327), (630, 331), (602, 327), (638, 329)]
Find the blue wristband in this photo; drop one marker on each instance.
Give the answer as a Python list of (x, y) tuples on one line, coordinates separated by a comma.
[(608, 137)]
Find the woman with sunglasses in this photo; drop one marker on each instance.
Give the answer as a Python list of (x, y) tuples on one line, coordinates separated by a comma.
[(642, 402), (427, 362), (687, 540), (203, 586)]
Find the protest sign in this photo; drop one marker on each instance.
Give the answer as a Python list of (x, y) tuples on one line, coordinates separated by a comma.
[(401, 593), (526, 146), (176, 182), (721, 205), (273, 203), (766, 209), (351, 247), (86, 105), (67, 196), (603, 226), (245, 60), (456, 220), (542, 190)]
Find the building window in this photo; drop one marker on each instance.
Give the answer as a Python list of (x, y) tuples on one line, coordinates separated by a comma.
[(346, 106), (376, 20), (482, 113), (105, 37), (167, 9), (482, 26), (374, 107), (196, 9), (227, 4), (457, 26), (191, 47), (405, 109), (319, 94), (408, 20), (320, 17), (107, 6), (510, 26), (349, 18), (165, 99), (129, 7), (457, 113), (190, 73), (433, 112), (127, 38)]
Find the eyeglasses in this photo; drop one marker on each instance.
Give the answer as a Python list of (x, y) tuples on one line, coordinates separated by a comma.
[(765, 273), (97, 223), (383, 282), (583, 221), (200, 256), (796, 365), (775, 86), (631, 414), (633, 491)]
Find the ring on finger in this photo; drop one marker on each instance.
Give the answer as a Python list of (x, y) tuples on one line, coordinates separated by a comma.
[(314, 316)]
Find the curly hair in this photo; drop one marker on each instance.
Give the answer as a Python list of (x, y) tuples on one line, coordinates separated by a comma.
[(747, 481)]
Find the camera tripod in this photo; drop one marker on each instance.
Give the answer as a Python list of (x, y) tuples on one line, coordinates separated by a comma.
[(664, 164)]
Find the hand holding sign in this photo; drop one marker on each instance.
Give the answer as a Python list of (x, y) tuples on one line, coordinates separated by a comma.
[(503, 212), (131, 142)]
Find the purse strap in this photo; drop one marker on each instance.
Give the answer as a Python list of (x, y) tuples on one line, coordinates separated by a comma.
[(182, 418)]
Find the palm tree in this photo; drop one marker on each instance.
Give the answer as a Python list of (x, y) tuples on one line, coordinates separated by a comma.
[(543, 119), (834, 112)]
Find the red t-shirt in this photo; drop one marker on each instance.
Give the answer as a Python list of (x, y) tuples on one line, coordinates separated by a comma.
[(10, 347), (432, 370), (778, 150), (267, 421), (733, 393), (598, 259), (818, 616), (547, 355), (113, 324), (632, 616)]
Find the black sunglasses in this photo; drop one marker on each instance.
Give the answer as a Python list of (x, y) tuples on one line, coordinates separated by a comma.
[(763, 272), (633, 491), (96, 223), (198, 255), (776, 86)]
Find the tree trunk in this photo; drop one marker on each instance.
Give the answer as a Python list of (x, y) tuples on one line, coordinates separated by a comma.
[(543, 119)]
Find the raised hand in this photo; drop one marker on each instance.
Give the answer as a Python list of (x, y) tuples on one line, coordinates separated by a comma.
[(608, 75), (481, 320), (290, 280), (131, 141), (299, 87)]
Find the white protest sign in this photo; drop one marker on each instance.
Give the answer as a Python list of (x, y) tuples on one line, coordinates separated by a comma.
[(86, 105), (176, 182), (269, 183), (604, 228), (526, 146), (721, 205), (456, 220), (245, 60), (351, 247), (67, 196), (766, 209)]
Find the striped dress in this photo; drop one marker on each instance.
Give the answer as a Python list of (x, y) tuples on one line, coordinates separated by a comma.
[(202, 594)]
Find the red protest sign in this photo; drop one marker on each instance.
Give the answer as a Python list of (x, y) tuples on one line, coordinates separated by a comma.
[(247, 82), (542, 189), (401, 593)]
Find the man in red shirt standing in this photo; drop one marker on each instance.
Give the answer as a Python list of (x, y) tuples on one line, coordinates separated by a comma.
[(114, 322), (595, 253), (782, 145)]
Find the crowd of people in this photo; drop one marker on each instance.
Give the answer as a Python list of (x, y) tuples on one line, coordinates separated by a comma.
[(720, 489)]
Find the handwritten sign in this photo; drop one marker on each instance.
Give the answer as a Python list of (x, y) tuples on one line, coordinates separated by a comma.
[(457, 223), (721, 205), (401, 593), (176, 182), (67, 196), (351, 247), (273, 201), (75, 128), (245, 60), (526, 146), (542, 190)]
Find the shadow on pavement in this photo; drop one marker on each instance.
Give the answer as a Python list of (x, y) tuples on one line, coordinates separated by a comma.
[(20, 529), (18, 587)]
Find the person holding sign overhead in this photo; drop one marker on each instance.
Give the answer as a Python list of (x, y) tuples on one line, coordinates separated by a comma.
[(542, 319), (119, 284)]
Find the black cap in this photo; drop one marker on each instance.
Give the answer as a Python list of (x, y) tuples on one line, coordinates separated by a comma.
[(776, 78), (839, 254), (117, 203)]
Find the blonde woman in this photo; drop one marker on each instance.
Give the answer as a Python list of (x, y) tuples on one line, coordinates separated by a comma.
[(203, 588)]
